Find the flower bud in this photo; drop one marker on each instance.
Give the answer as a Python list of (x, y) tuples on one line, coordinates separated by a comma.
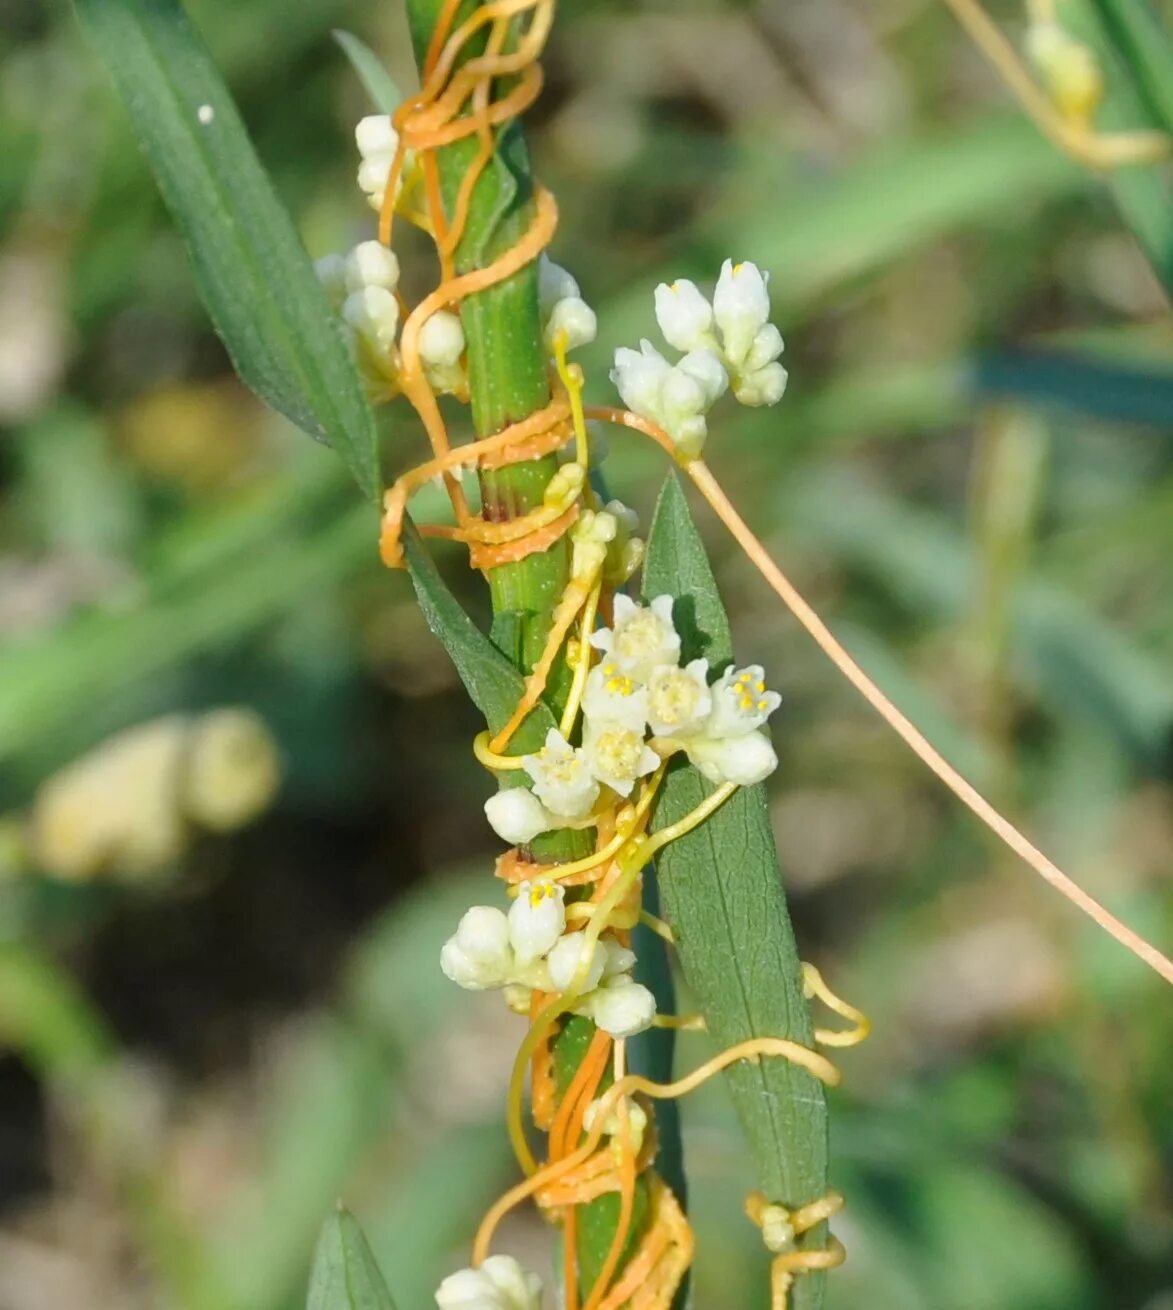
[(517, 816)]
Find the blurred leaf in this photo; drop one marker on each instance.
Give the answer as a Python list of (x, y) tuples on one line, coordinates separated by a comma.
[(494, 685), (345, 1275), (379, 84), (723, 897), (1072, 659), (1143, 41), (255, 277), (1142, 192)]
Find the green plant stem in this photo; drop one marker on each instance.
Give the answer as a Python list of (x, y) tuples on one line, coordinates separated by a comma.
[(508, 381)]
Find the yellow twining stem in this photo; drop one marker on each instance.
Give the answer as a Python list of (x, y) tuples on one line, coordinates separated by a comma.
[(1070, 131), (816, 988), (781, 1227)]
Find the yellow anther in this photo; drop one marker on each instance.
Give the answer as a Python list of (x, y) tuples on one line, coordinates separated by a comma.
[(763, 705)]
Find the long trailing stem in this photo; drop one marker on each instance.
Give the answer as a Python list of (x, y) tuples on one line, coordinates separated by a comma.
[(508, 381)]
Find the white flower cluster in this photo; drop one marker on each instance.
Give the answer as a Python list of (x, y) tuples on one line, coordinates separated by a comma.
[(362, 287), (377, 142), (529, 948), (498, 1283), (728, 342), (638, 688), (563, 308)]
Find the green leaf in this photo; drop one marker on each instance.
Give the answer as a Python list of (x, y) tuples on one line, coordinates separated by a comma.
[(345, 1275), (254, 275), (379, 84), (1136, 98), (723, 896), (494, 685)]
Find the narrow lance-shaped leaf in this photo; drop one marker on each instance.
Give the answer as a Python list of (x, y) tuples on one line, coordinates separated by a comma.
[(345, 1275), (493, 684), (722, 894), (378, 83), (254, 275)]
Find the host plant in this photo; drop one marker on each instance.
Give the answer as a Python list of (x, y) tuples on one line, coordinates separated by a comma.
[(629, 748)]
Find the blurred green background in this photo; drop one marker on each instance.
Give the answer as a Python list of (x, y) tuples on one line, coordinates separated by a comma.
[(972, 476)]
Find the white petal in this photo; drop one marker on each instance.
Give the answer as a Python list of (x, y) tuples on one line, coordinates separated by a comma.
[(741, 306), (374, 315), (517, 816), (479, 955), (623, 1007), (371, 264), (375, 136), (765, 387), (743, 760), (576, 318), (554, 284), (767, 346), (536, 919), (565, 961), (521, 1289), (708, 372), (684, 315), (441, 339)]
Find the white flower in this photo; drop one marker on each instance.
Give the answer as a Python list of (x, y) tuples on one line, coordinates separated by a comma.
[(479, 956), (377, 142), (371, 264), (536, 919), (678, 699), (500, 1283), (639, 376), (744, 759), (573, 316), (684, 315), (741, 307), (562, 780), (765, 386), (613, 697), (640, 638), (331, 273), (567, 959), (373, 313), (621, 1007), (441, 339), (741, 702), (441, 346), (517, 816), (617, 755), (554, 284), (676, 397)]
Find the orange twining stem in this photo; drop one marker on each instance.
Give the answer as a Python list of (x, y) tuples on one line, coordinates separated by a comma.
[(1011, 836), (779, 1047), (550, 425), (413, 382), (579, 1094), (492, 556)]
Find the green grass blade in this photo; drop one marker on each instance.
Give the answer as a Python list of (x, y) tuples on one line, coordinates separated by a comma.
[(345, 1275), (723, 897), (1143, 193), (1144, 43), (379, 84), (254, 275)]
